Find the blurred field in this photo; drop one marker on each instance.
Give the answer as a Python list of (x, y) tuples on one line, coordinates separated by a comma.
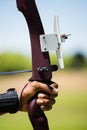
[(70, 110)]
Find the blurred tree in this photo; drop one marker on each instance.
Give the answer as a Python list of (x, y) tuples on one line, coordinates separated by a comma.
[(12, 62), (78, 61)]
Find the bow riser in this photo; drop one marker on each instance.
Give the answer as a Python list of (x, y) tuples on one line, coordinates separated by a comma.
[(40, 60)]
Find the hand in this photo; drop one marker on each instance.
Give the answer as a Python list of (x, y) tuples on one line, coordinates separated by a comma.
[(46, 97)]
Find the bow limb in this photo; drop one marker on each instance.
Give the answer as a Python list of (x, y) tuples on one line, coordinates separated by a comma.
[(39, 59), (41, 63)]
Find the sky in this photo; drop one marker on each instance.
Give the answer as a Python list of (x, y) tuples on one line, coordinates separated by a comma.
[(14, 35)]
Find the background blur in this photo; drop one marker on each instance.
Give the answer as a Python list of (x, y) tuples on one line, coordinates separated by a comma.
[(70, 110), (14, 35)]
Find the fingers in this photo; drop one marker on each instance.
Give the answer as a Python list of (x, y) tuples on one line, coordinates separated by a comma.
[(54, 85), (46, 104), (45, 88), (46, 108), (45, 101)]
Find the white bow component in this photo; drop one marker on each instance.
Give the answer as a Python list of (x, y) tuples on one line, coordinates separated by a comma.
[(52, 42)]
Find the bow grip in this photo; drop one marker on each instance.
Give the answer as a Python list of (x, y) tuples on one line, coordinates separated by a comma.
[(38, 119), (37, 116)]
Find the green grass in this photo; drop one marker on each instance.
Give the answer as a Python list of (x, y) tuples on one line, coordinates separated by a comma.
[(69, 113)]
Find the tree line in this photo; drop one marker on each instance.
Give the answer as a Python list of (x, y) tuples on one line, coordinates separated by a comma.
[(12, 62)]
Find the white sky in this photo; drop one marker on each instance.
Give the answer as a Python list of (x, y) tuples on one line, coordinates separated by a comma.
[(72, 14)]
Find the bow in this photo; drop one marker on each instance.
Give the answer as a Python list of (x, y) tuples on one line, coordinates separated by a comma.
[(41, 63), (42, 70)]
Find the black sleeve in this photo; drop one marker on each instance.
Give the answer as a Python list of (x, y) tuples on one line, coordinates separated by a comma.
[(9, 102)]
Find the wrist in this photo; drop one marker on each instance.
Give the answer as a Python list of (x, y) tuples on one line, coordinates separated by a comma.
[(19, 90)]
